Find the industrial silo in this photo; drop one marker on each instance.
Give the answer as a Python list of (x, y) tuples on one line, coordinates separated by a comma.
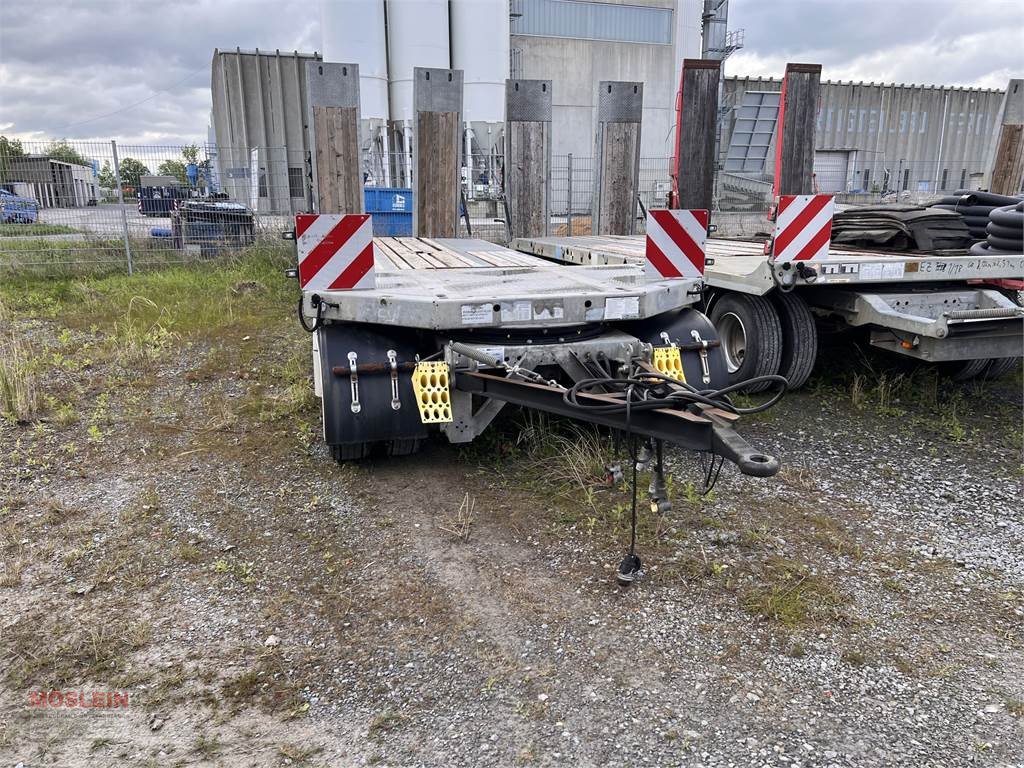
[(417, 36), (353, 31), (480, 47)]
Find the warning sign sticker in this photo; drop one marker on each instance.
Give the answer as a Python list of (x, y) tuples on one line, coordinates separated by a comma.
[(621, 307), (476, 314)]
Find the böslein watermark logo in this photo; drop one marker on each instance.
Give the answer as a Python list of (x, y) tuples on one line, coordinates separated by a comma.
[(78, 699)]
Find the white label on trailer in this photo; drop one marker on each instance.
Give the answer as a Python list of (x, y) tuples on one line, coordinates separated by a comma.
[(516, 311), (871, 271), (477, 314), (498, 353), (548, 311), (892, 270), (621, 307)]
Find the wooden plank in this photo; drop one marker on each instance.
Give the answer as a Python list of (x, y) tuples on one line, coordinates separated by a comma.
[(492, 258), (336, 137), (526, 177), (422, 259), (438, 247), (528, 156), (798, 115), (385, 244), (619, 173), (451, 259), (437, 173), (696, 130), (1008, 168)]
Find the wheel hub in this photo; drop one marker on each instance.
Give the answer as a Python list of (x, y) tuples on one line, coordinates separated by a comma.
[(734, 340)]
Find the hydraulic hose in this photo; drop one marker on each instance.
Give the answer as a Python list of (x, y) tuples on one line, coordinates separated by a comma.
[(651, 391)]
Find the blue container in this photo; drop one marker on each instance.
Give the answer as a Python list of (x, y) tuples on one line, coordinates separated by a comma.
[(392, 224), (387, 200), (390, 209)]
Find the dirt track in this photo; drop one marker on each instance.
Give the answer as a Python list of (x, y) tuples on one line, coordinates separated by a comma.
[(864, 608)]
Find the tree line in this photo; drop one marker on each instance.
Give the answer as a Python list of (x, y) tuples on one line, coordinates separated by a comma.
[(131, 168)]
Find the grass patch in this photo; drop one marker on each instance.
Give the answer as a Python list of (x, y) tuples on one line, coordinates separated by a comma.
[(36, 230), (918, 395), (792, 595), (19, 387), (384, 722), (57, 656)]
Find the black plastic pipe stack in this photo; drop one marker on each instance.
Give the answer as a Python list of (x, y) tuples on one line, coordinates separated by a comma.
[(1004, 232), (974, 208)]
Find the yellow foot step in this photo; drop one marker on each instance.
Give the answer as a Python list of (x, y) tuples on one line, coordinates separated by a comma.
[(431, 382), (667, 361)]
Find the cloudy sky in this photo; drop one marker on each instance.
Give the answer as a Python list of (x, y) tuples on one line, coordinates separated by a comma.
[(139, 71)]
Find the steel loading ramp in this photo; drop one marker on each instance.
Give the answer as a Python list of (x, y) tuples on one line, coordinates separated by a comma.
[(741, 265)]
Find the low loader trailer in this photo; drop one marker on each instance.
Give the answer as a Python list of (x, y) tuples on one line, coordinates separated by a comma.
[(413, 335), (958, 310)]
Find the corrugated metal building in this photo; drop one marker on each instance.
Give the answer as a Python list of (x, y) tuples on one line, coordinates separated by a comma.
[(578, 43), (53, 183), (259, 108), (873, 136)]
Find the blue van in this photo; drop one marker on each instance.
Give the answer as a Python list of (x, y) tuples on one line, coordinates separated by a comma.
[(15, 209)]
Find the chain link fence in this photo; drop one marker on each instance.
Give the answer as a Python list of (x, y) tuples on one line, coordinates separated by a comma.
[(105, 206)]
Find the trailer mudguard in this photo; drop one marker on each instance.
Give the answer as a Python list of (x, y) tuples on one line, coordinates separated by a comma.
[(679, 326), (374, 418)]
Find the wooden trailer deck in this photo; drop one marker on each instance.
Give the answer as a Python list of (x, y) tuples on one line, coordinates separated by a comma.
[(457, 283)]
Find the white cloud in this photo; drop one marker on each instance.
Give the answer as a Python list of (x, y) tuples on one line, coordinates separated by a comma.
[(65, 64)]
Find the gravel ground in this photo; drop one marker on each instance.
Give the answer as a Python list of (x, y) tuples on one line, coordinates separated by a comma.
[(265, 607)]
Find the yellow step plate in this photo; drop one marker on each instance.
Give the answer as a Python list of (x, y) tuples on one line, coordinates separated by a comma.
[(431, 384), (668, 362)]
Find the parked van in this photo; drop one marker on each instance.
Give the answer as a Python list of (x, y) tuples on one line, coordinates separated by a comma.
[(16, 209)]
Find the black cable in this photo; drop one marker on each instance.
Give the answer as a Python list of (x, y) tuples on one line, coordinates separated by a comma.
[(632, 537), (318, 321), (654, 390)]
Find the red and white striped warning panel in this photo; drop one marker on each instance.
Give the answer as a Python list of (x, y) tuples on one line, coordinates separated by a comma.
[(335, 251), (803, 227), (675, 243)]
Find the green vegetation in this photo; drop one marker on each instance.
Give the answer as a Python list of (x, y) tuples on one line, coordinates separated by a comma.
[(791, 594), (917, 397), (119, 325), (35, 230), (63, 151)]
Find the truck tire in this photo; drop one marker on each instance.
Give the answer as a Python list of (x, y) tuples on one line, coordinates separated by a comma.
[(799, 338), (966, 370), (751, 337), (350, 452), (404, 446), (1000, 366)]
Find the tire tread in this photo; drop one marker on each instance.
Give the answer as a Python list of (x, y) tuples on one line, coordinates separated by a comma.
[(798, 359)]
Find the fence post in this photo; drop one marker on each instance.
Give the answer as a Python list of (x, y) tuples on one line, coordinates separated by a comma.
[(568, 192), (120, 202)]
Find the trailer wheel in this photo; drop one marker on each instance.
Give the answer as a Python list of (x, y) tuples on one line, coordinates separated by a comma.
[(799, 338), (751, 337), (965, 370), (350, 452), (404, 446), (1000, 366)]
